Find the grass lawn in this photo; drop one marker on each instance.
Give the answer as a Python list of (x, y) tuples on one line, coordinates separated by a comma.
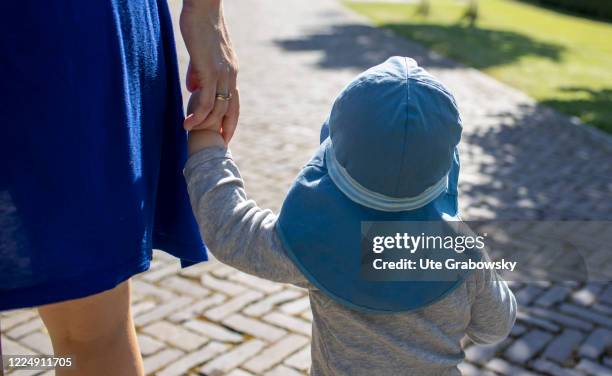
[(561, 60)]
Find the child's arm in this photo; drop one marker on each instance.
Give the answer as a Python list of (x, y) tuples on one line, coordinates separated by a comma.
[(235, 230), (493, 308)]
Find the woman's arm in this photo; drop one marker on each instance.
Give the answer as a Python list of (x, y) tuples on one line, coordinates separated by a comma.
[(213, 67)]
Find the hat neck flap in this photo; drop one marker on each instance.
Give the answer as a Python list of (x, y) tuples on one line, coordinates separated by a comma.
[(321, 227)]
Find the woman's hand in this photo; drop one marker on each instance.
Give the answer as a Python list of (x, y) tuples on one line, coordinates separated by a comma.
[(213, 68)]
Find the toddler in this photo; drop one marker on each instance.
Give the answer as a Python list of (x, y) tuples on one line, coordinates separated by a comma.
[(387, 153)]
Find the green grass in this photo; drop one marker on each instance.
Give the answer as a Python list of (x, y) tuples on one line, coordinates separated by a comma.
[(562, 61)]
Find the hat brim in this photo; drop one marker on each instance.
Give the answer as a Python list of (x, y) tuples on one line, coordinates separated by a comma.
[(320, 228)]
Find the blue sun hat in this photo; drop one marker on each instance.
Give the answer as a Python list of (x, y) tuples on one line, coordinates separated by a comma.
[(388, 153)]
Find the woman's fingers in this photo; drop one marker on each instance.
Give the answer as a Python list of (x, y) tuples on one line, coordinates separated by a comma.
[(189, 122), (202, 103), (222, 98), (192, 79), (221, 103), (230, 120)]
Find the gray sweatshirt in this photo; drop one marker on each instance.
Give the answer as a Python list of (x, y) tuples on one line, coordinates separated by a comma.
[(344, 341)]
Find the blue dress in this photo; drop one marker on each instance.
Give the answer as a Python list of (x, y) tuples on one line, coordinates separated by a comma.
[(91, 147)]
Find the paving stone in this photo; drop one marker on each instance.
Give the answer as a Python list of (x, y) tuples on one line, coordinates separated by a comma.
[(213, 331), (233, 305), (234, 357), (198, 270), (527, 346), (587, 295), (184, 286), (517, 330), (160, 359), (175, 335), (276, 353), (560, 349), (159, 255), (288, 322), (606, 295), (468, 369), (25, 328), (603, 308), (254, 327), (505, 368), (148, 345), (307, 315), (194, 310), (537, 321), (551, 368), (552, 296), (257, 283), (596, 343), (162, 311), (587, 314), (528, 294), (10, 347), (562, 319), (296, 306), (140, 287), (39, 342), (156, 264), (239, 372), (30, 373), (223, 286), (593, 368), (482, 354), (223, 271), (301, 360), (265, 305), (16, 318), (184, 364), (142, 307), (162, 272), (282, 371)]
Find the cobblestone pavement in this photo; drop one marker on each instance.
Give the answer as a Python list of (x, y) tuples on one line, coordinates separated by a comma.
[(518, 161)]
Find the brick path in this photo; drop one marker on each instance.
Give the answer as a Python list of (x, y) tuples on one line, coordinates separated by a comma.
[(518, 161)]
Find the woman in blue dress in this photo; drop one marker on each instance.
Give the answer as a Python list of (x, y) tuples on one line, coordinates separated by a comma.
[(92, 148)]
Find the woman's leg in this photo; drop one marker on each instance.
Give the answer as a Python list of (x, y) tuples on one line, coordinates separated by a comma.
[(97, 331), (1, 360)]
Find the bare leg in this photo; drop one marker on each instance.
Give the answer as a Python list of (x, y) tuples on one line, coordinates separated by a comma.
[(97, 331), (1, 360)]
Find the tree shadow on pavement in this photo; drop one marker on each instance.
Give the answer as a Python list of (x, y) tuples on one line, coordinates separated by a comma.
[(536, 164), (361, 46)]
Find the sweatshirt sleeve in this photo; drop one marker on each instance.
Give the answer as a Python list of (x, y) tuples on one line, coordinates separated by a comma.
[(493, 309), (235, 229)]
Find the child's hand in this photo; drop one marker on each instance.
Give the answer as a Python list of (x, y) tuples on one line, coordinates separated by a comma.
[(198, 140), (194, 99)]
